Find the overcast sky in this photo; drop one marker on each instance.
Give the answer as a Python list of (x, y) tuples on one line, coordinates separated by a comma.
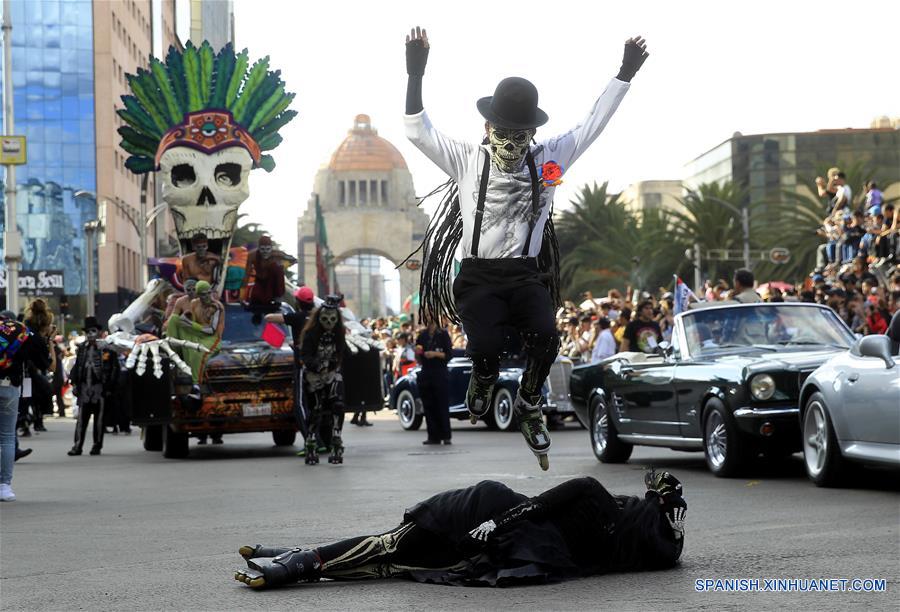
[(714, 68)]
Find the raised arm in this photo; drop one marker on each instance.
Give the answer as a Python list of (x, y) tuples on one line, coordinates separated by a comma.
[(567, 147), (448, 154), (416, 58)]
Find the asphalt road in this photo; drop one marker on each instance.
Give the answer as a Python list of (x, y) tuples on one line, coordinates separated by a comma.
[(130, 530)]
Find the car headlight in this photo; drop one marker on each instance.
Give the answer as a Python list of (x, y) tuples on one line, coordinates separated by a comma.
[(762, 387)]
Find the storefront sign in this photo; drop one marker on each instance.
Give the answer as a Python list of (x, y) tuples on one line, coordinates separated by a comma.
[(37, 283)]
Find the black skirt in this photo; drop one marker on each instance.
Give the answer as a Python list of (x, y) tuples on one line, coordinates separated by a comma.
[(526, 553)]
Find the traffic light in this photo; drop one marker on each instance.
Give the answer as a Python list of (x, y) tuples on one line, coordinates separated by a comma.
[(63, 305)]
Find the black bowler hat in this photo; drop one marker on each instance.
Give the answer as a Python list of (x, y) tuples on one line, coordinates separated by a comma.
[(513, 105), (90, 323)]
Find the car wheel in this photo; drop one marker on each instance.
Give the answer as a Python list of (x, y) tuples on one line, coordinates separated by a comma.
[(501, 415), (604, 436), (822, 457), (406, 411), (723, 447), (175, 444), (284, 437), (153, 438)]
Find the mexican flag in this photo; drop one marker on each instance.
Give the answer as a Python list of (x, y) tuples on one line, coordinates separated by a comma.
[(411, 301), (321, 252)]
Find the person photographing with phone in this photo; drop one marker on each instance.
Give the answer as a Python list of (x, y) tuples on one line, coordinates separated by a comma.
[(433, 351)]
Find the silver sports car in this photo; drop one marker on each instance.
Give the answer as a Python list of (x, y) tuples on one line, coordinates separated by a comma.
[(850, 411)]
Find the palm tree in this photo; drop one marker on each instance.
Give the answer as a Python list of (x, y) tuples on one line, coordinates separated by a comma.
[(604, 245), (593, 253), (706, 222)]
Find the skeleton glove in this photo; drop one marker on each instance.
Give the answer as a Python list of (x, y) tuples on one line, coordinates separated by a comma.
[(632, 61), (675, 514), (483, 531)]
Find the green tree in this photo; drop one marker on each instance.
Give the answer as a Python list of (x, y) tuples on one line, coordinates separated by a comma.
[(604, 245), (707, 220)]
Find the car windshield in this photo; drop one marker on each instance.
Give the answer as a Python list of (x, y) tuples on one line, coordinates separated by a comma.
[(239, 326), (769, 326)]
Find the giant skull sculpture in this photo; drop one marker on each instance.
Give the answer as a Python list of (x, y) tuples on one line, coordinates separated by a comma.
[(205, 190)]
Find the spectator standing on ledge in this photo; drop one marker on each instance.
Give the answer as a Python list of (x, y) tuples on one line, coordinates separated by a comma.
[(434, 350)]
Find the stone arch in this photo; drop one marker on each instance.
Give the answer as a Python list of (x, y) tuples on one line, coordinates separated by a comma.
[(386, 222)]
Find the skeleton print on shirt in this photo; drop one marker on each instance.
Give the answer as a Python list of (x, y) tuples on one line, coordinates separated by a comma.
[(326, 360), (508, 214)]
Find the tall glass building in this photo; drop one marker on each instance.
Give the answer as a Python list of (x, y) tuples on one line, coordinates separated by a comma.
[(70, 63), (53, 80)]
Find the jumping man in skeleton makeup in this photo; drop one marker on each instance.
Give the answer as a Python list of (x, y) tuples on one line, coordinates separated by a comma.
[(489, 535), (322, 350), (500, 216)]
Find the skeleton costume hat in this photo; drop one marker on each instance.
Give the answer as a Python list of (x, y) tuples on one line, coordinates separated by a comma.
[(204, 120)]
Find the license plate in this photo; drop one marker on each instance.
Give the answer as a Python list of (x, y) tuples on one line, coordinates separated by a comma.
[(252, 410)]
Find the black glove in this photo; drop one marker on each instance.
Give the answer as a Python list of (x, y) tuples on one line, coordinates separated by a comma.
[(633, 58), (416, 57)]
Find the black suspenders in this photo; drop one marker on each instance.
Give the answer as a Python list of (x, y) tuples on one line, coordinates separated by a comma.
[(482, 194)]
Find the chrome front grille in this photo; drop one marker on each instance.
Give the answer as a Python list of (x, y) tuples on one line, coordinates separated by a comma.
[(558, 381)]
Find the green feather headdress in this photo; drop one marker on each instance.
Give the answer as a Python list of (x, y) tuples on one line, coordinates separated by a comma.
[(219, 98)]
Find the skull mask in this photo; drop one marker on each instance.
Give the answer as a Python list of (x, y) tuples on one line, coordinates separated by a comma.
[(204, 190), (508, 147), (328, 318)]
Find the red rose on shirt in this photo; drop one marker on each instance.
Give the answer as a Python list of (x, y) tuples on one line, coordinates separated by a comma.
[(551, 174)]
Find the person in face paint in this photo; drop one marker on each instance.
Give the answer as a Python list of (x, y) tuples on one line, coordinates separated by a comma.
[(265, 276), (322, 350), (201, 264), (180, 304), (498, 213), (203, 323), (95, 373)]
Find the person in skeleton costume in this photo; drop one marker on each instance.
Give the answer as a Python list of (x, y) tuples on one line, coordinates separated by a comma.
[(201, 264), (490, 535), (499, 213), (93, 378), (202, 120), (202, 324), (266, 279), (322, 350)]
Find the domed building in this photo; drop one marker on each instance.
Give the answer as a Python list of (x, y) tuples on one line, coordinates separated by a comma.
[(368, 203)]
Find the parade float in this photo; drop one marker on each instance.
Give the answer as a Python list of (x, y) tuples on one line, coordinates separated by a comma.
[(200, 362)]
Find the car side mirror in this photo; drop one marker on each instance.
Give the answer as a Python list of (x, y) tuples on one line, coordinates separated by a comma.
[(875, 346)]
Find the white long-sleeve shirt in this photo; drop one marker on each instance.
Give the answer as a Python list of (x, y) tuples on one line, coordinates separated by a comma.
[(605, 347), (508, 202)]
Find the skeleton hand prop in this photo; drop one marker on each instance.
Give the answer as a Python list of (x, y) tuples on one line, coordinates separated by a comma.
[(147, 345), (483, 531), (676, 516), (357, 342)]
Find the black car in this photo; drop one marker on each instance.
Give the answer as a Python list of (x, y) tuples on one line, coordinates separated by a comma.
[(404, 397), (728, 384)]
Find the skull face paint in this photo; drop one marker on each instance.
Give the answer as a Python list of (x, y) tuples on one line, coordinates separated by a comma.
[(190, 287), (329, 318), (205, 190), (508, 147), (206, 297), (265, 250)]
